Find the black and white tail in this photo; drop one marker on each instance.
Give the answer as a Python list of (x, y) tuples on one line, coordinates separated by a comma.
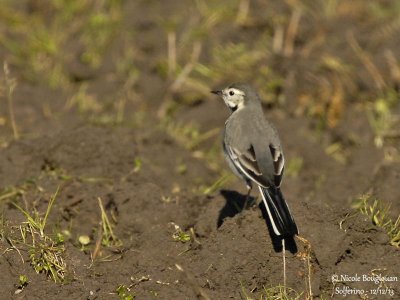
[(281, 219)]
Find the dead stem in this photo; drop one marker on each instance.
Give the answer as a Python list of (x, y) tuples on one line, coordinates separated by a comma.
[(292, 32), (243, 12), (98, 244), (277, 40), (177, 84), (11, 84), (367, 61), (171, 37), (307, 257), (180, 80), (393, 65)]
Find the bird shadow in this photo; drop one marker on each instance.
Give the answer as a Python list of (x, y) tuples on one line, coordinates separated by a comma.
[(235, 203)]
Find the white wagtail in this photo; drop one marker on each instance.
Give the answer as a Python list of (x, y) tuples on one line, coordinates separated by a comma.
[(253, 151)]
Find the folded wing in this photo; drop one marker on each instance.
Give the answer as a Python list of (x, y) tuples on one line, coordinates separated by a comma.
[(247, 162)]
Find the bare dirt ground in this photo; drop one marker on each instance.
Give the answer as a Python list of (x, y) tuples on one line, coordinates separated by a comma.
[(173, 240)]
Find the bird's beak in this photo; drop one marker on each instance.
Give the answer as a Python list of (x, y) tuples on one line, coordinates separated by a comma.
[(219, 93)]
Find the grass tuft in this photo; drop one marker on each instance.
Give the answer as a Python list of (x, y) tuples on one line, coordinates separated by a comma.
[(46, 253), (36, 42), (109, 239), (377, 210)]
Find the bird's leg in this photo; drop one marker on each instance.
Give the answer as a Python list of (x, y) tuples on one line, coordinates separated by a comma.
[(249, 188), (284, 264)]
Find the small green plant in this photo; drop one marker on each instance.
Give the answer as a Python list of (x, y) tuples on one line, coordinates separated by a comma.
[(180, 236), (47, 257), (22, 283), (378, 212), (382, 119), (123, 292), (138, 164)]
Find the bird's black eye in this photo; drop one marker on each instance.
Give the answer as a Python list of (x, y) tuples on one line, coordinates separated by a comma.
[(231, 93)]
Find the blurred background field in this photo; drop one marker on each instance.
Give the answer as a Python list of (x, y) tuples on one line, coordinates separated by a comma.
[(317, 57), (328, 72), (120, 60)]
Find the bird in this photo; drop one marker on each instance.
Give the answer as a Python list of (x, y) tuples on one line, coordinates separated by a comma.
[(253, 151)]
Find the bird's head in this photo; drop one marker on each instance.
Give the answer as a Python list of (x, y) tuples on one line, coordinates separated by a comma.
[(238, 95)]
